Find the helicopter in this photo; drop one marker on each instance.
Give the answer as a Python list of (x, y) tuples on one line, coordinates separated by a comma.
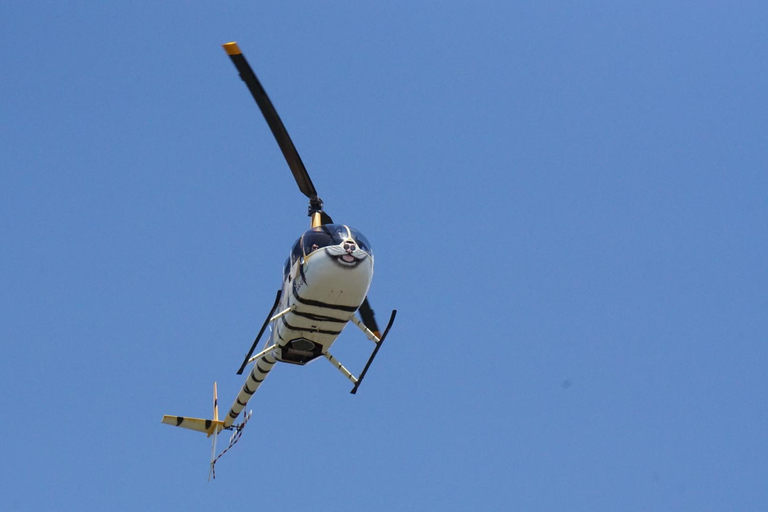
[(325, 285)]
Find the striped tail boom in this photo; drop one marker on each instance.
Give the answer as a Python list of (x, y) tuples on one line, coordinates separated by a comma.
[(265, 361)]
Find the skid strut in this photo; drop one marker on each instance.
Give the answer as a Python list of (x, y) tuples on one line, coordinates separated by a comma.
[(368, 333), (335, 362), (378, 341)]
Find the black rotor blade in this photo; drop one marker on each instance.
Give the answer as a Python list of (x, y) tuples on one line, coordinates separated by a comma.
[(273, 120), (326, 219), (368, 318)]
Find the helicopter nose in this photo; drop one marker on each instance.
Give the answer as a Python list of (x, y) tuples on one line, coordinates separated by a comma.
[(349, 246)]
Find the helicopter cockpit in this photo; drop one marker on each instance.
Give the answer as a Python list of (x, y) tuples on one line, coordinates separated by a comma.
[(324, 236)]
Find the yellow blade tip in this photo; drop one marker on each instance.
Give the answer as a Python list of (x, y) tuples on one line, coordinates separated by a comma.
[(231, 48)]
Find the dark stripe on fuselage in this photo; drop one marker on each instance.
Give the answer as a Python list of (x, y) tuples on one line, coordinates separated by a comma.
[(260, 369), (318, 304), (309, 329), (319, 318), (301, 271)]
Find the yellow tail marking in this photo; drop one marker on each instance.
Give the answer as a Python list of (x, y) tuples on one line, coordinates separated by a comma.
[(215, 404), (197, 424)]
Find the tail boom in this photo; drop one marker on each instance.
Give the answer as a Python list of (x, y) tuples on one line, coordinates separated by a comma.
[(265, 361)]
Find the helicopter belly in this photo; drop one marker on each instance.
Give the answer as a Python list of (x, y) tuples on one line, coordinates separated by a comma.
[(323, 298)]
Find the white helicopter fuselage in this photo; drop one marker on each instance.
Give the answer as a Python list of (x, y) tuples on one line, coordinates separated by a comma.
[(322, 290), (325, 280)]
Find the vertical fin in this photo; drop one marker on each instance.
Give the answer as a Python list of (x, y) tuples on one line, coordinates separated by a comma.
[(215, 404), (211, 474)]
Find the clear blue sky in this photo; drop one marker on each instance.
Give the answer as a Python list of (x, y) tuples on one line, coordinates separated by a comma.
[(568, 204)]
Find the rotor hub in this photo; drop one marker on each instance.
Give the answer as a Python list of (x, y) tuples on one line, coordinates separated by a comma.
[(315, 205)]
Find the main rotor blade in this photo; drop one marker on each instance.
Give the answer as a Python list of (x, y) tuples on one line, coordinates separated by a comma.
[(273, 120), (368, 318)]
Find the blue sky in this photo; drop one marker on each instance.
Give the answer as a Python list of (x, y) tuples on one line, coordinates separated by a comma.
[(567, 202)]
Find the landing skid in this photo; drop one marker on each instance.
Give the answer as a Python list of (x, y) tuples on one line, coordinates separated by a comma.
[(375, 351), (371, 336), (261, 331)]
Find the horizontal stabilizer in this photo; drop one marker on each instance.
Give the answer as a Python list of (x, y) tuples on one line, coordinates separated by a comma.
[(200, 425)]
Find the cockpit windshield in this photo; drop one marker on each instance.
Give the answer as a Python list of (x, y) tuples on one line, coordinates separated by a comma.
[(332, 234), (323, 236)]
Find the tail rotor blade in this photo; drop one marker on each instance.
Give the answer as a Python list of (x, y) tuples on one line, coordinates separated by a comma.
[(274, 122)]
